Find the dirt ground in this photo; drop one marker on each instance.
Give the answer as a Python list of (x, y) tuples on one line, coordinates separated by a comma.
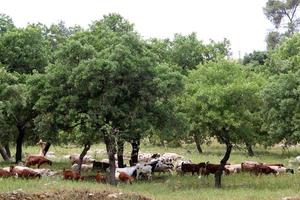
[(71, 195)]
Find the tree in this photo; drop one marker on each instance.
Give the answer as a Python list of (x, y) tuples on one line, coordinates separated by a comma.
[(6, 24), (273, 39), (281, 93), (278, 12), (103, 95), (17, 108), (281, 108), (23, 50), (285, 57), (187, 51), (221, 99), (256, 58)]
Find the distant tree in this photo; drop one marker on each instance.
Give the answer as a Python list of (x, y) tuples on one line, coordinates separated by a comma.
[(255, 58), (283, 14), (6, 23), (221, 99), (273, 39), (285, 58), (279, 11)]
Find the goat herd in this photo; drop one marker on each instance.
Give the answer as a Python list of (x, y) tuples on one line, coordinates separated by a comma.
[(145, 169)]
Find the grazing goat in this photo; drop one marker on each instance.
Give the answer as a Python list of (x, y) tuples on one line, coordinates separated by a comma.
[(122, 176), (232, 169), (4, 173), (71, 175), (143, 169), (100, 178), (262, 169), (194, 168), (101, 166), (24, 172), (84, 167), (131, 171), (212, 169), (37, 160), (75, 159), (282, 170)]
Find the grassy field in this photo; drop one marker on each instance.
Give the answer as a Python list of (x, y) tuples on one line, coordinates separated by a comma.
[(239, 186)]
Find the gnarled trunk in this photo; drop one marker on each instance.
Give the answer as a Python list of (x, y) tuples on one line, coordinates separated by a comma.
[(21, 130), (6, 146), (120, 153), (249, 149), (223, 162), (4, 153), (111, 151), (83, 153), (135, 152), (198, 143), (46, 148)]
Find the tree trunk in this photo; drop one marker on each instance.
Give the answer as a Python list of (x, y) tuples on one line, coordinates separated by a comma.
[(197, 141), (45, 150), (20, 139), (250, 150), (111, 151), (83, 153), (135, 152), (120, 153), (223, 162), (4, 154), (7, 150)]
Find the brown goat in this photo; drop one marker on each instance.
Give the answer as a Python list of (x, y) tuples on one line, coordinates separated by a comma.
[(24, 173), (125, 178), (100, 178), (4, 173), (71, 175), (37, 160)]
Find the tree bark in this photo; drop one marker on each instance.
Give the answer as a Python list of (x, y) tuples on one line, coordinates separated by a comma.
[(197, 141), (111, 151), (83, 153), (223, 162), (4, 153), (21, 130), (120, 153), (45, 150), (6, 146), (135, 152), (250, 150)]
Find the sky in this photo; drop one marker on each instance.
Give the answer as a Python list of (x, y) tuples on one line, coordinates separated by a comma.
[(241, 21)]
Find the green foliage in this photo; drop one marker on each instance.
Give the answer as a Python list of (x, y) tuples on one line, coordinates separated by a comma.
[(256, 58), (23, 50), (187, 51), (286, 57), (73, 52), (281, 108), (273, 39), (6, 24), (220, 95)]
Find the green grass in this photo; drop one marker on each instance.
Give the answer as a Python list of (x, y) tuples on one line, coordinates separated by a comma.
[(239, 186)]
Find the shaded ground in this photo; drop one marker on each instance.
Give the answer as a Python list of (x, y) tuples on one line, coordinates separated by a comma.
[(71, 195)]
